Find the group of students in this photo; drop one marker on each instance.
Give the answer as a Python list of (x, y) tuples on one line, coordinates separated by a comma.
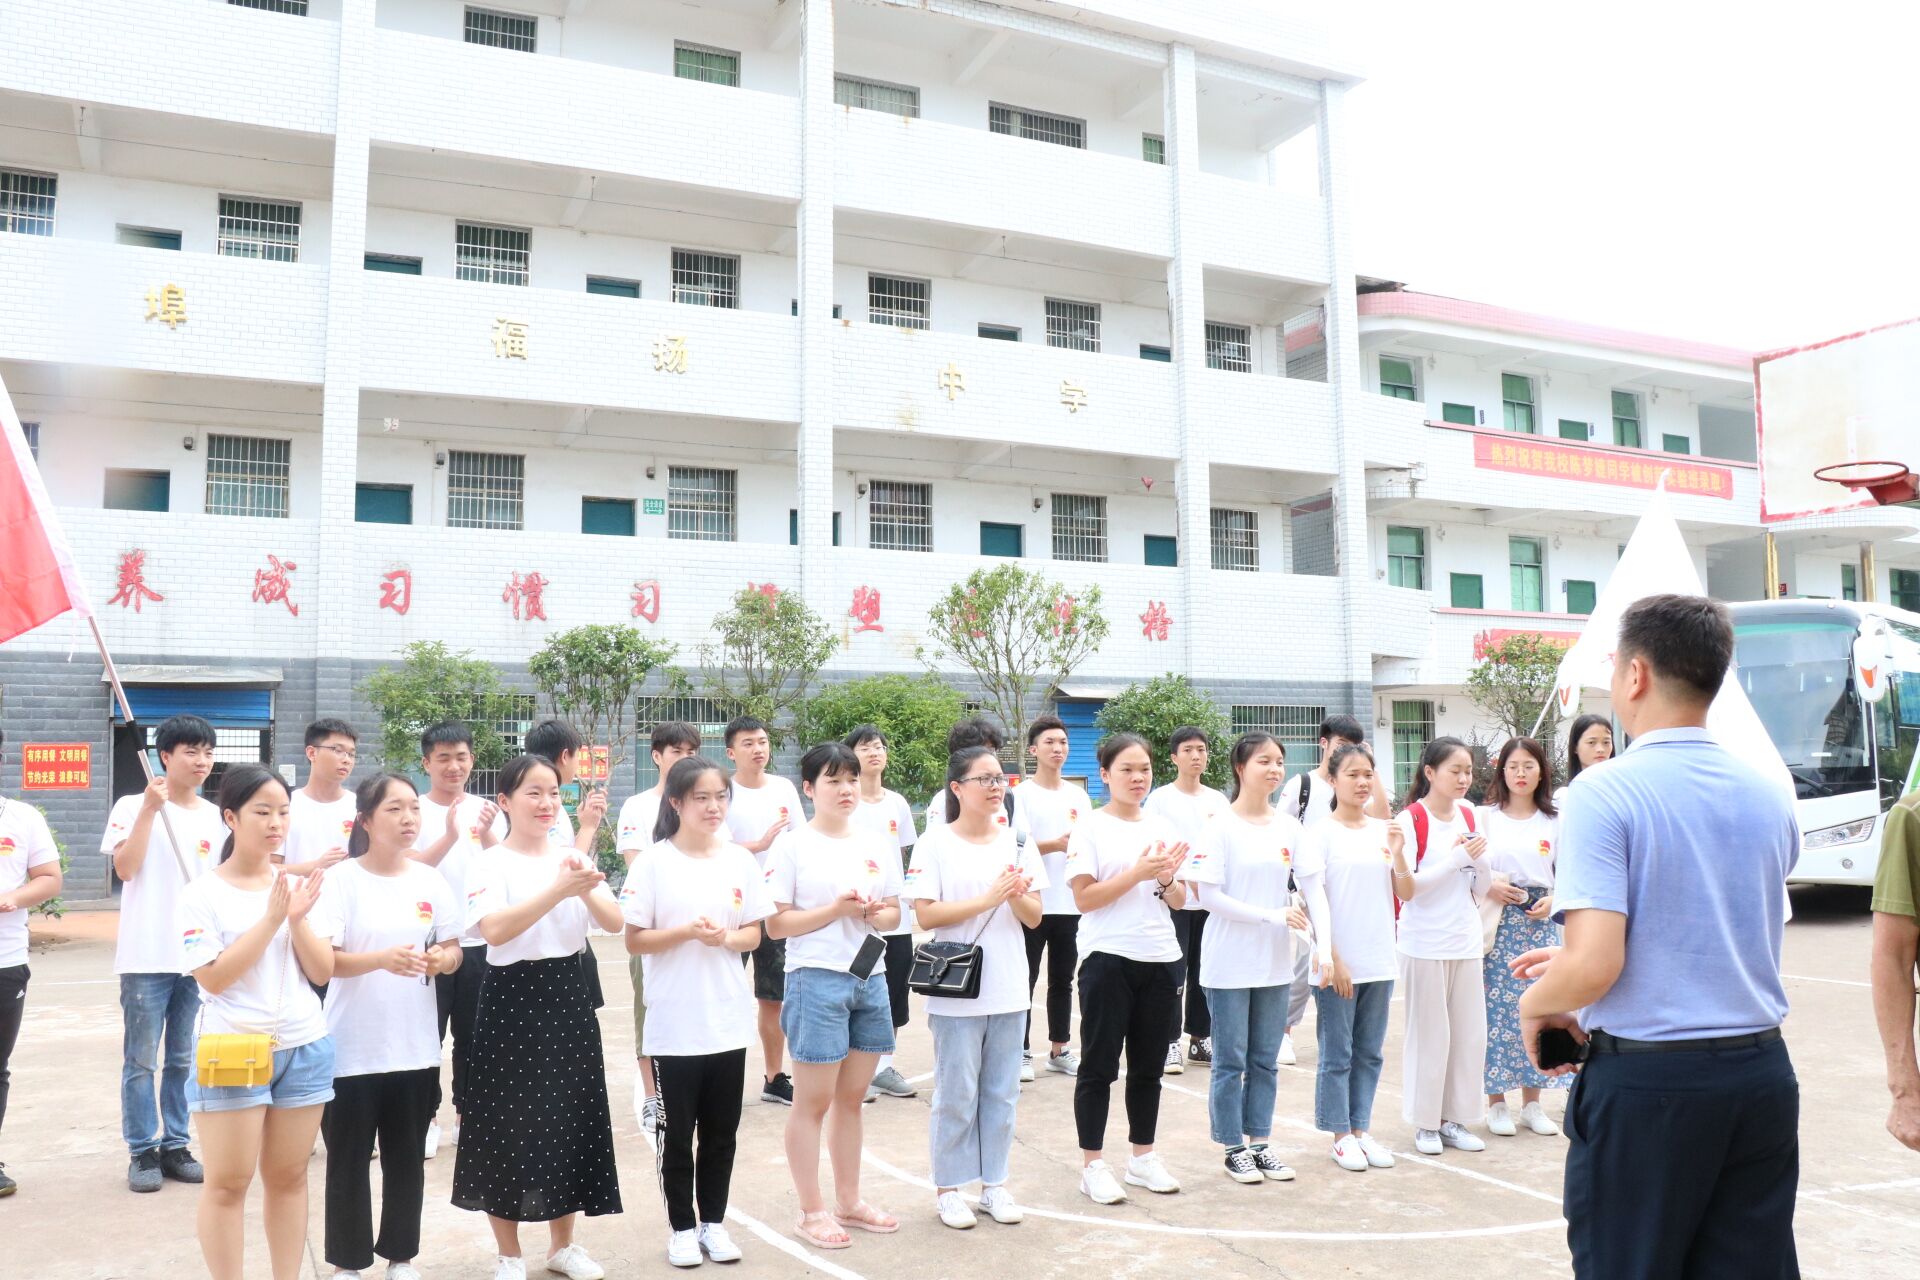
[(359, 928)]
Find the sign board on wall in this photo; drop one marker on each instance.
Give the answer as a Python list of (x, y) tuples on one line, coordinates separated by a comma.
[(56, 766)]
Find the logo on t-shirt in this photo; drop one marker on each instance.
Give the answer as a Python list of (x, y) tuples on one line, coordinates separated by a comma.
[(6, 846), (893, 826), (192, 936), (1073, 815), (628, 831), (739, 899), (1546, 848), (783, 811), (1194, 859), (423, 910), (873, 869), (473, 832), (1286, 857), (346, 826), (204, 849), (472, 894), (1000, 818), (628, 891)]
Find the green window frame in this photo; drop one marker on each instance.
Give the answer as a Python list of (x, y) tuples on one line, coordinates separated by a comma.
[(1163, 354), (706, 64), (1464, 415), (1008, 540), (147, 238), (1396, 379), (1467, 590), (1581, 594), (1516, 403), (394, 263), (613, 287), (1849, 582), (1626, 419), (1162, 551), (1903, 589), (999, 332), (1413, 729), (793, 527), (1407, 557), (612, 517), (138, 490), (1153, 148), (1571, 430), (1527, 564), (1675, 444), (383, 503)]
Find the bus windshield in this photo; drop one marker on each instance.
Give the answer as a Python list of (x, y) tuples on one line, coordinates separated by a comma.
[(1799, 677)]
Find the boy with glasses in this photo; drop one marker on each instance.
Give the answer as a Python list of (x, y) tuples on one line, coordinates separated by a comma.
[(320, 817)]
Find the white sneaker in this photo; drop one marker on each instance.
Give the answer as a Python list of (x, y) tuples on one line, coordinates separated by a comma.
[(954, 1211), (1455, 1135), (432, 1148), (640, 1096), (652, 1116), (1097, 1183), (1500, 1121), (346, 1275), (1348, 1155), (573, 1263), (402, 1271), (1026, 1071), (1001, 1206), (1066, 1062), (1287, 1056), (1175, 1063), (683, 1249), (511, 1269), (1147, 1171), (1427, 1141), (1535, 1117), (453, 1135), (1376, 1152), (718, 1244)]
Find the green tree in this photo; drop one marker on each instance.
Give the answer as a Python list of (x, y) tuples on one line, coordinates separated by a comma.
[(55, 907), (1019, 633), (1511, 682), (766, 650), (590, 675), (432, 683), (1155, 709), (914, 712)]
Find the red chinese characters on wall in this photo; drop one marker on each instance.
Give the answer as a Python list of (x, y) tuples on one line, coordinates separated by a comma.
[(132, 587), (273, 584), (396, 590), (1156, 621), (866, 609), (646, 599), (1063, 614), (525, 595)]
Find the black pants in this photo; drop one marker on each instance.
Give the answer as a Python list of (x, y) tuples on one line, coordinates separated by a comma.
[(701, 1095), (1057, 937), (1683, 1166), (1123, 1004), (13, 1005), (899, 964), (458, 996), (1190, 926), (396, 1107)]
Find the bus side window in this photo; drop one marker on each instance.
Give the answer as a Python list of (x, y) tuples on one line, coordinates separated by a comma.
[(1896, 733)]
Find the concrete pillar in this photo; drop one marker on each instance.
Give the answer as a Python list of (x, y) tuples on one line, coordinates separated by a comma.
[(1187, 310), (814, 478)]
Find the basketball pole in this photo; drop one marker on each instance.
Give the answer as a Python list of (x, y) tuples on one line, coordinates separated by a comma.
[(1867, 592)]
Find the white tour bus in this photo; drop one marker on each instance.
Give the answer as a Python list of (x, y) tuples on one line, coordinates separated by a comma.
[(1813, 679)]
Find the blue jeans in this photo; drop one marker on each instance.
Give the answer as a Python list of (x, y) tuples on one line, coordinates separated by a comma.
[(302, 1077), (829, 1013), (1247, 1025), (156, 1009), (976, 1085), (1351, 1033)]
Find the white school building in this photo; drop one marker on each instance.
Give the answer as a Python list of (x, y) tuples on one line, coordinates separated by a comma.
[(341, 325)]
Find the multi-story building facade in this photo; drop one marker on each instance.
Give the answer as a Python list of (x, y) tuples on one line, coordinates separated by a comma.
[(341, 325)]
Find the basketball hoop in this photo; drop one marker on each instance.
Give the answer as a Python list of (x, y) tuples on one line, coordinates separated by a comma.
[(1886, 483)]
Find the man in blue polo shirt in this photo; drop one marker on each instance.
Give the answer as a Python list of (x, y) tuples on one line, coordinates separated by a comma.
[(1683, 1124)]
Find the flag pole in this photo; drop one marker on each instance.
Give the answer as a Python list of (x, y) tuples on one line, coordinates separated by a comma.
[(126, 710)]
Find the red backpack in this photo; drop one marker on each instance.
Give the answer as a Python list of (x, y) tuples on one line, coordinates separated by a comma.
[(1422, 824)]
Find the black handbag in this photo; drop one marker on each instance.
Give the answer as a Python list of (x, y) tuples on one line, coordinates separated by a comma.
[(950, 970)]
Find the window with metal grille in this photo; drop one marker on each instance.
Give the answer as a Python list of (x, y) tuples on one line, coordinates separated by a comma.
[(1041, 126), (1296, 728), (248, 476), (703, 714), (511, 716), (268, 229), (876, 95), (1229, 347), (1407, 558), (1516, 402), (31, 430), (1153, 148), (231, 745), (26, 202), (492, 255), (1626, 419), (1073, 325), (486, 490), (1079, 527), (1412, 731), (1236, 539), (705, 63), (517, 31), (296, 7), (1396, 378), (706, 279), (898, 300), (900, 516), (700, 503)]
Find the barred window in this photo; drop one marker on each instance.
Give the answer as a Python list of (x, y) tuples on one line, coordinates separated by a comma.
[(1041, 126), (268, 229), (31, 430), (1413, 729), (492, 255), (1236, 539), (1230, 347), (1073, 325), (700, 503), (1296, 728), (486, 490), (704, 714), (248, 476), (899, 301), (1153, 148), (508, 714), (26, 202), (296, 7), (706, 279), (876, 95), (517, 31), (1079, 527), (704, 63), (900, 516)]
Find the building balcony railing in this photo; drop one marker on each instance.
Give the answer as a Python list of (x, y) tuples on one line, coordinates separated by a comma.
[(1261, 229), (1461, 636), (1257, 420), (1399, 622), (1265, 625)]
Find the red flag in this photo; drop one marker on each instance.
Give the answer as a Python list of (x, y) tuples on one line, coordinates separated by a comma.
[(38, 579)]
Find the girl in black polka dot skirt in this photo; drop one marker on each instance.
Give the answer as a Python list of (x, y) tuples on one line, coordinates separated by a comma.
[(536, 1141)]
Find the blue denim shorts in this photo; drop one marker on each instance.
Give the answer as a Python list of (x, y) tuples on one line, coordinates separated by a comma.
[(828, 1014), (302, 1077)]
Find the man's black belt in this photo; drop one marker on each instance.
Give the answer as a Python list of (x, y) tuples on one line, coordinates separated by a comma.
[(1606, 1042)]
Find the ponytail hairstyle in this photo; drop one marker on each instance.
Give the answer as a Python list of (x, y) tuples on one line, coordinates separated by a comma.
[(516, 773), (1345, 752), (367, 799), (957, 765), (238, 783), (681, 778), (1243, 748), (1579, 731), (1437, 753)]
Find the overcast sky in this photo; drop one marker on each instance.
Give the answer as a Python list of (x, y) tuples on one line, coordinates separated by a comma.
[(1737, 173)]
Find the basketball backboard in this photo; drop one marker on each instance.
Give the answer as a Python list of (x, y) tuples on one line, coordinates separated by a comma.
[(1843, 401)]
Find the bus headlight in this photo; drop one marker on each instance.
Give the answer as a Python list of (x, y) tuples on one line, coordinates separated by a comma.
[(1845, 833)]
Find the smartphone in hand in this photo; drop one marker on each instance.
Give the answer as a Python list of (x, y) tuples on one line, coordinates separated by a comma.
[(1558, 1048)]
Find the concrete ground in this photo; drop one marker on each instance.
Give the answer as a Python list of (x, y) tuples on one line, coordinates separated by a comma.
[(1494, 1214)]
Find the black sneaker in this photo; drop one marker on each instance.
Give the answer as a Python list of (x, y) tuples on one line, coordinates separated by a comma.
[(1240, 1168), (779, 1089), (1201, 1049), (1270, 1166), (143, 1172), (178, 1163), (7, 1185)]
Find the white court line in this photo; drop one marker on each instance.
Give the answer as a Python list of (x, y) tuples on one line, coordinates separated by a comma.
[(1896, 1185), (922, 1078), (1837, 982)]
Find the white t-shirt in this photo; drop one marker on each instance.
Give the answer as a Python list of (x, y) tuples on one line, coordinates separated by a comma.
[(1442, 922), (1022, 832), (698, 998), (1250, 862), (1050, 815), (1137, 925), (1524, 849), (313, 827), (947, 868), (1354, 867), (1187, 814), (455, 866), (272, 997), (1319, 800), (149, 932), (807, 870), (498, 878), (634, 828), (891, 818), (25, 843), (751, 810), (561, 832), (382, 1021)]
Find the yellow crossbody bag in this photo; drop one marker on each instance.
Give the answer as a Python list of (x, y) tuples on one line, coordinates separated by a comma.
[(237, 1060)]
